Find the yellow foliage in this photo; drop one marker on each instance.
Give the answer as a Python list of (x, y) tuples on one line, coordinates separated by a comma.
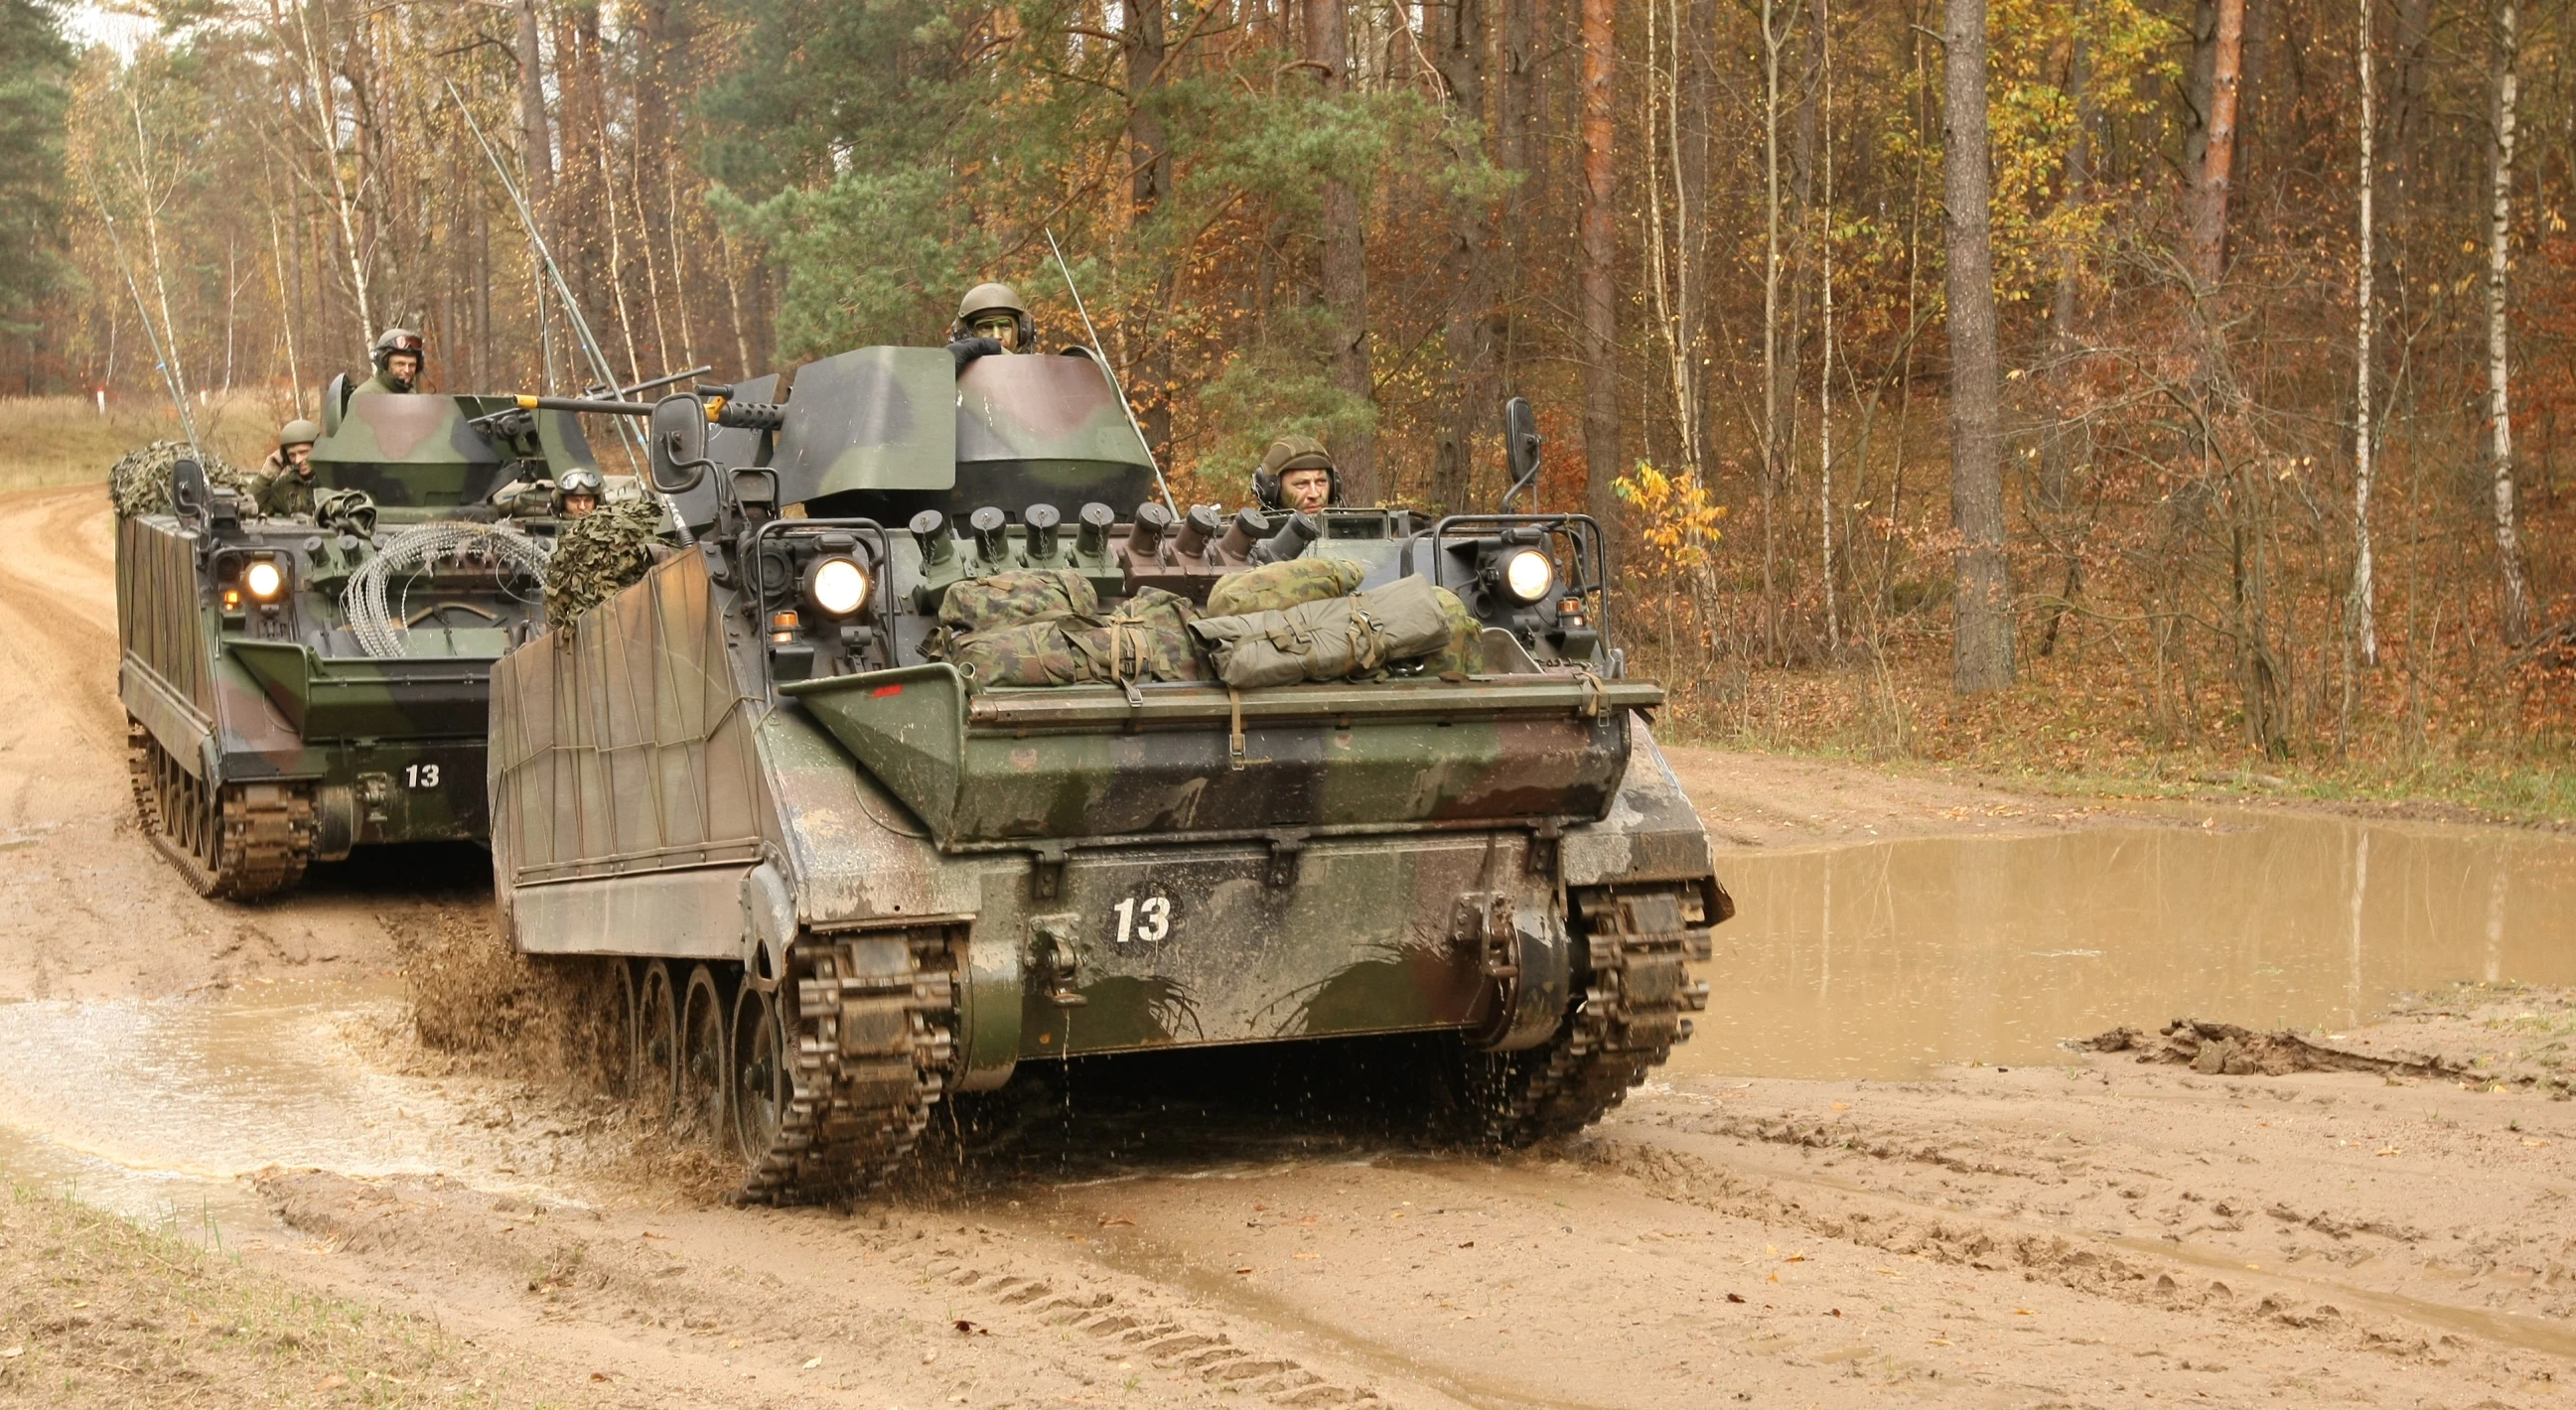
[(1676, 517)]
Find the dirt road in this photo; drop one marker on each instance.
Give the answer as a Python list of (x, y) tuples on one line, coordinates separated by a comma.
[(2094, 1231)]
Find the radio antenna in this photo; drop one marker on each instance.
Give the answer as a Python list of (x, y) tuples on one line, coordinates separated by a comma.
[(1112, 373)]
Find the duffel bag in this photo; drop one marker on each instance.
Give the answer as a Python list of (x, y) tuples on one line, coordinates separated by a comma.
[(1276, 587), (1327, 640)]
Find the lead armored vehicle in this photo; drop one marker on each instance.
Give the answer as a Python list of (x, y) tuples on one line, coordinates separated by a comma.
[(831, 878), (299, 686)]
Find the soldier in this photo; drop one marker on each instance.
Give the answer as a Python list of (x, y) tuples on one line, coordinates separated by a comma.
[(1297, 474), (399, 356), (577, 494), (990, 319), (285, 485)]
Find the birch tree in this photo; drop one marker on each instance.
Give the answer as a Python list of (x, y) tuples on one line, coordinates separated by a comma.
[(1599, 259), (2517, 596)]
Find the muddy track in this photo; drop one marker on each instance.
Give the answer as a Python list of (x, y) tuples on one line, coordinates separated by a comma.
[(2095, 1231)]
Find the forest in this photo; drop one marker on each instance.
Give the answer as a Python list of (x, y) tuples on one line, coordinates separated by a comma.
[(2149, 388)]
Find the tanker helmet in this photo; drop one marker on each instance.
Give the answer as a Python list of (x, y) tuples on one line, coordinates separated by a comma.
[(298, 432), (986, 309), (1294, 453), (399, 340), (581, 480)]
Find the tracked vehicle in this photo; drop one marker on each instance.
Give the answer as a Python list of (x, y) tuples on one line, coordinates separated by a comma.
[(296, 687), (828, 883)]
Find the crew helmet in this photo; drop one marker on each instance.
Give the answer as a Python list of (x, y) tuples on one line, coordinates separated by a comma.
[(984, 302), (394, 340), (1294, 453), (581, 479), (298, 432)]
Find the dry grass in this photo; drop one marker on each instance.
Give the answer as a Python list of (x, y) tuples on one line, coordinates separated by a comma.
[(65, 441), (96, 1312), (2079, 726)]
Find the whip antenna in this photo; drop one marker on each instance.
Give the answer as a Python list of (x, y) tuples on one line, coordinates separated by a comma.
[(1112, 373)]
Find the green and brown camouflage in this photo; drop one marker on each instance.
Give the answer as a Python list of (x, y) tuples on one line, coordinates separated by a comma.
[(139, 481), (272, 731), (1276, 587), (834, 881), (601, 552), (1146, 639)]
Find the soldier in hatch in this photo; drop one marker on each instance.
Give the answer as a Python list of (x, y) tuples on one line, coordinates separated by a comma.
[(1298, 475), (990, 319), (578, 493), (285, 485), (399, 356)]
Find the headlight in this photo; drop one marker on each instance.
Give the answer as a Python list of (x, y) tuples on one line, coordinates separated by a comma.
[(264, 579), (1527, 575), (836, 586)]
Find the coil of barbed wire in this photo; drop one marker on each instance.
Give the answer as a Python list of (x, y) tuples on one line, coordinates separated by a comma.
[(379, 625)]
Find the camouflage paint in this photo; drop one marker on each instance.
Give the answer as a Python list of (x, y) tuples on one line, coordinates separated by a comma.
[(393, 748)]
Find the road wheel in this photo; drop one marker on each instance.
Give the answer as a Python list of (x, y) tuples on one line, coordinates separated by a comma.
[(657, 1042), (762, 1083), (706, 1063)]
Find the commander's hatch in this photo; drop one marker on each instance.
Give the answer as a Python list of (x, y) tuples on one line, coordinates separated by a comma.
[(419, 450)]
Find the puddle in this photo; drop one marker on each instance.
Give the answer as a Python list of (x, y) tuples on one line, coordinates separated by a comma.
[(157, 1109), (1887, 959)]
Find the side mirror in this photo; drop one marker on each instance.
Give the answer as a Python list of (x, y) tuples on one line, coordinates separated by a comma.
[(677, 433), (190, 491), (1520, 444)]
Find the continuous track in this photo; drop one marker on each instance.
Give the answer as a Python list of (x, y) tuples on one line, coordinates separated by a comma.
[(872, 1028), (235, 842), (1627, 1020)]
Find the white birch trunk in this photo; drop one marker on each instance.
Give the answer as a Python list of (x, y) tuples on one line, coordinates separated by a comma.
[(2517, 599), (2365, 620)]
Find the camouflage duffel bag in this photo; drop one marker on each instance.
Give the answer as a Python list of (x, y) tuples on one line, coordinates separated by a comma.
[(1008, 599), (1463, 655), (1146, 639), (1332, 639), (1276, 587)]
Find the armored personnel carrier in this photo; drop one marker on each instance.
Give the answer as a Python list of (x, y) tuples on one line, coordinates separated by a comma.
[(299, 686), (834, 879)]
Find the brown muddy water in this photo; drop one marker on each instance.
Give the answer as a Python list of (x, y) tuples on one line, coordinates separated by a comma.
[(155, 1109), (1888, 959), (1880, 960)]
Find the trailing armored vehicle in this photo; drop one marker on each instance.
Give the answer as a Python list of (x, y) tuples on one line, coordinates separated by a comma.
[(299, 686), (838, 867)]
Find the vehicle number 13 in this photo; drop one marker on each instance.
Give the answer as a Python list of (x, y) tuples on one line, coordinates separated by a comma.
[(420, 775), (1148, 920)]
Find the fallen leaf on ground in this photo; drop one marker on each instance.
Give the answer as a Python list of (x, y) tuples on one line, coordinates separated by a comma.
[(1731, 1297), (2389, 1150), (813, 1361), (1108, 1219), (972, 1329), (332, 1383), (2021, 1312)]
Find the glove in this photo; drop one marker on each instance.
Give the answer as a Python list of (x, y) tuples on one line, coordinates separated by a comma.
[(966, 350)]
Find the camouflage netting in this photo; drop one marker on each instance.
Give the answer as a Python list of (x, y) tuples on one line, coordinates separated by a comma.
[(600, 553), (139, 482)]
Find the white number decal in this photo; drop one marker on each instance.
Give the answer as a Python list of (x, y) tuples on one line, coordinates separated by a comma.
[(420, 775), (1149, 920)]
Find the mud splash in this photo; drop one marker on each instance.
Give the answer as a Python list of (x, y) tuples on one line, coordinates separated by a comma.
[(1888, 959)]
